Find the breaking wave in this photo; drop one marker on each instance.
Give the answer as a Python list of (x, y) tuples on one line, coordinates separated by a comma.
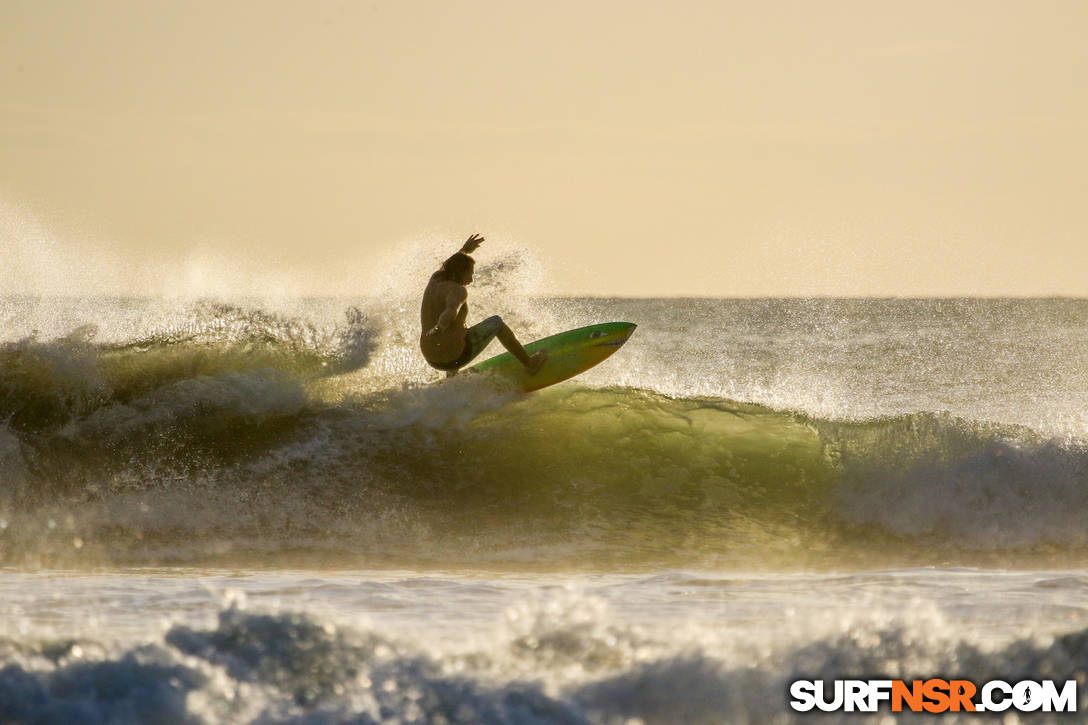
[(563, 666), (253, 437)]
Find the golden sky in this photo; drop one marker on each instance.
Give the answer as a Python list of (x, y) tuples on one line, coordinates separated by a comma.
[(636, 148)]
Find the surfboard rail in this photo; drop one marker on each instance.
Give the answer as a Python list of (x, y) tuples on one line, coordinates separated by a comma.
[(570, 353)]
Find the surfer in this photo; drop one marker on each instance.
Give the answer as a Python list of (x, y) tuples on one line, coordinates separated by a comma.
[(445, 341)]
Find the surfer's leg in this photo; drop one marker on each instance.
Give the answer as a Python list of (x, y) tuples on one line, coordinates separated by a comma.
[(477, 338), (479, 335), (532, 362)]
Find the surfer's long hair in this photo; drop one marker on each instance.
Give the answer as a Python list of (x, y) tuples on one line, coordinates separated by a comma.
[(455, 269)]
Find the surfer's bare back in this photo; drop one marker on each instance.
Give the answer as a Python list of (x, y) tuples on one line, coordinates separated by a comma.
[(445, 341)]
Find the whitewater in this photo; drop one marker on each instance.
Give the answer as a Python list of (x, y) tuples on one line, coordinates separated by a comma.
[(271, 510)]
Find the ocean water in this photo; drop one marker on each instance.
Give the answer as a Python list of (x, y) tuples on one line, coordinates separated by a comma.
[(267, 511)]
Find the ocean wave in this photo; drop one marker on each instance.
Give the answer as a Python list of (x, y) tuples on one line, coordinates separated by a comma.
[(235, 432), (253, 439), (561, 668), (49, 383)]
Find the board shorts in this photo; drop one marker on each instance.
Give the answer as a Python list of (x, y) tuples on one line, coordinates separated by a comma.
[(477, 338)]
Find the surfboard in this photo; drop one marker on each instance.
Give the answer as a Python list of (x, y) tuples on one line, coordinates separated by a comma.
[(569, 353)]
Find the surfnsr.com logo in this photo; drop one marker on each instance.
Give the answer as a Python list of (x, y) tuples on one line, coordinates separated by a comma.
[(933, 696)]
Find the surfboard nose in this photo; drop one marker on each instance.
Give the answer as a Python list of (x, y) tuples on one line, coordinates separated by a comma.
[(619, 333), (625, 332)]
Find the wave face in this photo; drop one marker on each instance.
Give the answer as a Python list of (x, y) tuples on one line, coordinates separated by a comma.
[(221, 432)]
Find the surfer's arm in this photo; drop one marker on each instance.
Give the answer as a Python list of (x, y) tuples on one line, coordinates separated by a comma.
[(471, 244), (454, 299)]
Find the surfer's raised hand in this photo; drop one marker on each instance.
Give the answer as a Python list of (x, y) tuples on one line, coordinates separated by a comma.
[(472, 243)]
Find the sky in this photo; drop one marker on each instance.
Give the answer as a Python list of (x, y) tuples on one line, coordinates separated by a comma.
[(699, 148)]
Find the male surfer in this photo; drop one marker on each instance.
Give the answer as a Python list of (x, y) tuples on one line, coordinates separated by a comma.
[(446, 343)]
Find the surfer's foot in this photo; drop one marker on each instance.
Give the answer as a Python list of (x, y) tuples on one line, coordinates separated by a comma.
[(536, 361)]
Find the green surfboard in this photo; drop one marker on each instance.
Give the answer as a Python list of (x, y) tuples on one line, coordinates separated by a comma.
[(569, 353)]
